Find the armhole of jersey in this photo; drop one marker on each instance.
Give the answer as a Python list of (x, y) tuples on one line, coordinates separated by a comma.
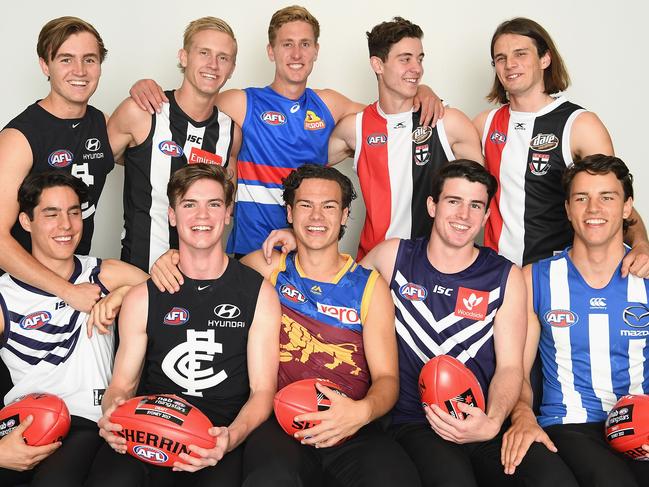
[(485, 129), (248, 109), (636, 290), (94, 277), (280, 268), (535, 289), (567, 131), (441, 134), (4, 336), (368, 292), (359, 139)]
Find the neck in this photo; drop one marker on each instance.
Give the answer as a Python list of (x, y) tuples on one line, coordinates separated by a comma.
[(447, 259), (321, 265), (62, 268), (292, 91), (202, 264), (198, 106), (61, 108), (529, 102), (596, 264), (391, 105)]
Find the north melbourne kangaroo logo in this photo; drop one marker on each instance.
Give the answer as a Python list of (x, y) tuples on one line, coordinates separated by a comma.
[(184, 363)]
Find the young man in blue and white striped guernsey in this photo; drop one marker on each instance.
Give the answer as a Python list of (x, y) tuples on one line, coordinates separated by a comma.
[(581, 317)]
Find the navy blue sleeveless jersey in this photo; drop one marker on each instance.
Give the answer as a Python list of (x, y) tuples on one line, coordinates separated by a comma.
[(437, 313)]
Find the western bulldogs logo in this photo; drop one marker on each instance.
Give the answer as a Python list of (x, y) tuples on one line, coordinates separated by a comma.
[(413, 292), (35, 320), (176, 316), (170, 148), (561, 318), (273, 118), (60, 158)]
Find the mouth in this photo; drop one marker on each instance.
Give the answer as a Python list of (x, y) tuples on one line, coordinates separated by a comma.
[(209, 76), (296, 66), (459, 227), (62, 239), (78, 83), (595, 221), (201, 228), (316, 229), (411, 80), (513, 76)]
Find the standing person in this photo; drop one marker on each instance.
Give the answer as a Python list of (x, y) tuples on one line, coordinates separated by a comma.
[(60, 132), (45, 346), (233, 378), (188, 129), (597, 352), (530, 141)]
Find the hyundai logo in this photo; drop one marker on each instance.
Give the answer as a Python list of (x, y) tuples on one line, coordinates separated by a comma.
[(227, 311)]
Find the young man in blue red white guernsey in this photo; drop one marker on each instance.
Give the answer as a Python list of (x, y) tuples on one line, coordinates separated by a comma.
[(530, 141), (395, 154), (44, 342), (188, 129), (60, 132), (285, 125), (345, 310), (225, 368), (584, 321)]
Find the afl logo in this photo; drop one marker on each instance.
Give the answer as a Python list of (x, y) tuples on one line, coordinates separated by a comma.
[(34, 321), (170, 148), (273, 118), (227, 311), (60, 158), (561, 318), (498, 137), (377, 139), (413, 292), (292, 294), (150, 454), (177, 316)]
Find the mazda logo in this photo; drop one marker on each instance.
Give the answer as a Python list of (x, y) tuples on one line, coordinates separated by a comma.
[(636, 316), (227, 311), (93, 145)]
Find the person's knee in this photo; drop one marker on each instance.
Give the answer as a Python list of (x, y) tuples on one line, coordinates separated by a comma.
[(273, 474)]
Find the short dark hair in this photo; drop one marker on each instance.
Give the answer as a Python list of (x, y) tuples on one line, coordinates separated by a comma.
[(57, 31), (312, 171), (31, 189), (601, 164), (555, 76), (384, 35), (184, 177), (465, 169)]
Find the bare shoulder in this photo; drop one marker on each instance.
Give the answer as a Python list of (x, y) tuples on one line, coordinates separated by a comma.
[(256, 260), (480, 120), (339, 105), (234, 104)]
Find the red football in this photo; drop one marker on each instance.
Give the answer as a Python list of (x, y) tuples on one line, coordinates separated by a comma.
[(158, 428), (627, 426), (51, 418), (298, 398), (445, 381)]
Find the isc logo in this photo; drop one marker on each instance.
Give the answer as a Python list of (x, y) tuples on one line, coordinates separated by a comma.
[(60, 158), (561, 318), (35, 320), (170, 148), (150, 454), (342, 314), (292, 294), (413, 292), (177, 316), (273, 118), (377, 139)]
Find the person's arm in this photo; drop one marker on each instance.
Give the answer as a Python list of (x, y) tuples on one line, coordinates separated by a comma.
[(234, 104), (479, 123), (234, 156), (342, 142), (148, 95), (505, 386), (462, 136), (524, 429), (128, 126), (265, 266), (382, 258), (263, 363), (15, 164), (17, 455), (346, 416)]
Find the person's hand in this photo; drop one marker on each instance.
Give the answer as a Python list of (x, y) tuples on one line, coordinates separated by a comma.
[(517, 440), (636, 261), (206, 457), (104, 311), (476, 426), (107, 429), (165, 273), (344, 418), (432, 108), (17, 455), (82, 297), (284, 237), (148, 95)]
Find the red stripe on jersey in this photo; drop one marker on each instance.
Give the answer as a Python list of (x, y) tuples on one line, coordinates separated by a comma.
[(494, 145), (373, 168), (258, 172)]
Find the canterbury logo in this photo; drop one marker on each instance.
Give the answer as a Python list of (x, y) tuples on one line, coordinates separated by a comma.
[(598, 302), (471, 301), (227, 311)]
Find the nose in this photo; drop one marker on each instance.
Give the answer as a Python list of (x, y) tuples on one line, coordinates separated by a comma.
[(511, 61), (79, 67), (593, 205), (64, 221), (463, 211)]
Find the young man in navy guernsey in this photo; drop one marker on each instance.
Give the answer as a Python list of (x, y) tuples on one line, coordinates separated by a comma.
[(60, 132), (329, 300), (588, 323), (44, 341), (472, 309), (227, 369)]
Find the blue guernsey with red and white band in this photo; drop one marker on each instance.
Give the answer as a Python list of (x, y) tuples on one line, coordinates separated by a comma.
[(322, 325), (279, 135), (593, 342), (528, 153), (437, 314)]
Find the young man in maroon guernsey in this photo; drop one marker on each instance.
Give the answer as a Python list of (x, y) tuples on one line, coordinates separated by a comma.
[(226, 368), (530, 141)]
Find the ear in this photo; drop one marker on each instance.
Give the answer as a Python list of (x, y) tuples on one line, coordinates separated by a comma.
[(376, 64), (182, 57), (228, 213), (546, 60), (486, 217), (566, 205), (270, 53), (317, 50), (345, 216), (431, 206), (628, 208), (25, 222), (44, 67), (172, 216), (289, 214)]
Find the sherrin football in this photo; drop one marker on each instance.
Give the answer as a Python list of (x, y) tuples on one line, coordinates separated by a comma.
[(158, 428), (51, 418), (627, 426), (446, 381)]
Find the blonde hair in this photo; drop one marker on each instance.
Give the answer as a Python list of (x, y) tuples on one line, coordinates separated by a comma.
[(206, 23), (293, 13)]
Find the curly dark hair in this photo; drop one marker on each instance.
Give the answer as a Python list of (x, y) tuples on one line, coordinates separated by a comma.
[(29, 193)]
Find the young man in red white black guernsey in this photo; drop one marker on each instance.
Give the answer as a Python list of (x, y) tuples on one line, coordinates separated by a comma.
[(213, 343), (60, 132), (337, 324), (395, 155), (530, 141), (588, 323), (189, 129), (44, 341), (453, 297)]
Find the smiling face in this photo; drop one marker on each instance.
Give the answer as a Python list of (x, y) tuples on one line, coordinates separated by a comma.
[(293, 52), (401, 72), (518, 65)]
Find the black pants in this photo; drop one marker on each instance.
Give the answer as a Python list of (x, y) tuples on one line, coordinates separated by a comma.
[(67, 466), (442, 463), (112, 469), (584, 448), (370, 458)]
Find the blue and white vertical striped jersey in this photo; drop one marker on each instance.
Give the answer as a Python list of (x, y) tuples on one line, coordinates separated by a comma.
[(593, 342)]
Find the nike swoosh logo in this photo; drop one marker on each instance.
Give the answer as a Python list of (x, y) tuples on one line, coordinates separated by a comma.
[(75, 125), (200, 288)]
